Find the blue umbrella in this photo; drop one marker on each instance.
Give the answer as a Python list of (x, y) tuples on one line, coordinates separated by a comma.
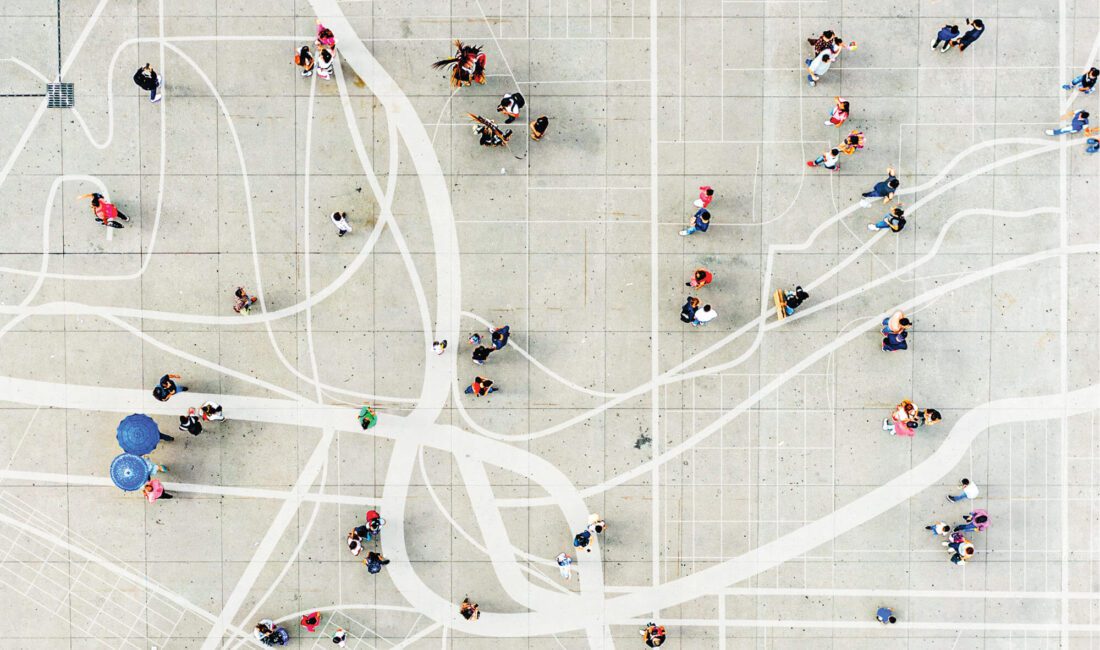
[(129, 472), (138, 434)]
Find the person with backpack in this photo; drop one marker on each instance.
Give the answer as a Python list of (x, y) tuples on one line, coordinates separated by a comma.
[(510, 105), (894, 221), (304, 60), (794, 300), (582, 540), (375, 561), (191, 423), (104, 211), (687, 312)]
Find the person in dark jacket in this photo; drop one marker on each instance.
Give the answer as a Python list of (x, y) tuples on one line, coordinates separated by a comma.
[(700, 223), (500, 336), (481, 354), (147, 79), (977, 28)]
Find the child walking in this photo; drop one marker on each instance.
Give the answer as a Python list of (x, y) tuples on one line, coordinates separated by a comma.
[(829, 160), (840, 112)]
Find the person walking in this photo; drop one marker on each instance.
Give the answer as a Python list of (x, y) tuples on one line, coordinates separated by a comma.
[(839, 115), (538, 127), (706, 195), (481, 354), (885, 615), (242, 302), (439, 346), (340, 637), (481, 387), (148, 80), (375, 522), (701, 278), (367, 417), (968, 491), (596, 525), (191, 423), (1078, 122), (356, 538), (510, 105), (700, 223), (265, 631), (564, 561), (653, 634), (977, 28), (499, 336), (883, 189), (104, 211), (304, 60), (469, 610), (926, 417), (166, 388), (893, 221), (340, 220), (939, 529), (945, 38), (977, 520), (375, 561), (154, 490), (704, 316), (212, 411), (818, 66), (829, 160), (687, 312), (1086, 83)]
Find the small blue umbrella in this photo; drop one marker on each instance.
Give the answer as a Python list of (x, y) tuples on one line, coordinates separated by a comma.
[(129, 472), (138, 434)]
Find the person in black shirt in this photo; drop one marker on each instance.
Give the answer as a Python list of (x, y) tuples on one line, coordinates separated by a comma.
[(147, 79)]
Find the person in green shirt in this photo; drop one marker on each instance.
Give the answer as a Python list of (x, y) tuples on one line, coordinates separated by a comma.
[(367, 417)]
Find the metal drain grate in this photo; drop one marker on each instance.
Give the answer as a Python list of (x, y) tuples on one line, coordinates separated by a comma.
[(59, 95)]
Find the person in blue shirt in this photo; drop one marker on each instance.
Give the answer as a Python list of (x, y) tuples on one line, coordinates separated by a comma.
[(946, 34), (885, 615), (700, 224), (1077, 124), (977, 28)]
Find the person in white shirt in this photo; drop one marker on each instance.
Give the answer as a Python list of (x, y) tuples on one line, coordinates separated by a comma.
[(969, 491), (340, 220), (704, 316), (563, 564), (818, 66)]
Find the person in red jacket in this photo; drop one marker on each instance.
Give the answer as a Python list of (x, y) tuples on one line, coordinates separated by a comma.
[(706, 195), (700, 278), (481, 387), (105, 211)]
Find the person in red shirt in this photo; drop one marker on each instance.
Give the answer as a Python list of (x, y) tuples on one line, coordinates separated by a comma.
[(706, 195), (311, 620), (105, 211), (700, 278), (481, 387)]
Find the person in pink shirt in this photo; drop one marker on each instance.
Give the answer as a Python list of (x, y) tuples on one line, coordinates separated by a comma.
[(977, 520), (840, 112), (706, 195), (325, 37), (154, 490)]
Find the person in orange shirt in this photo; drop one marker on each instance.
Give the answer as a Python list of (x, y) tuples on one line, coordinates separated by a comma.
[(700, 278)]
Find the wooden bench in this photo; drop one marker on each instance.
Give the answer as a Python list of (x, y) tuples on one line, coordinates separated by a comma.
[(780, 299)]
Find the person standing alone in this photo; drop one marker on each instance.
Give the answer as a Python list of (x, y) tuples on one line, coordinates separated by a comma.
[(147, 79)]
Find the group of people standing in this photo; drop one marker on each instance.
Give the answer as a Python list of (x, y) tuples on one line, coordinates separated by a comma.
[(323, 63)]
